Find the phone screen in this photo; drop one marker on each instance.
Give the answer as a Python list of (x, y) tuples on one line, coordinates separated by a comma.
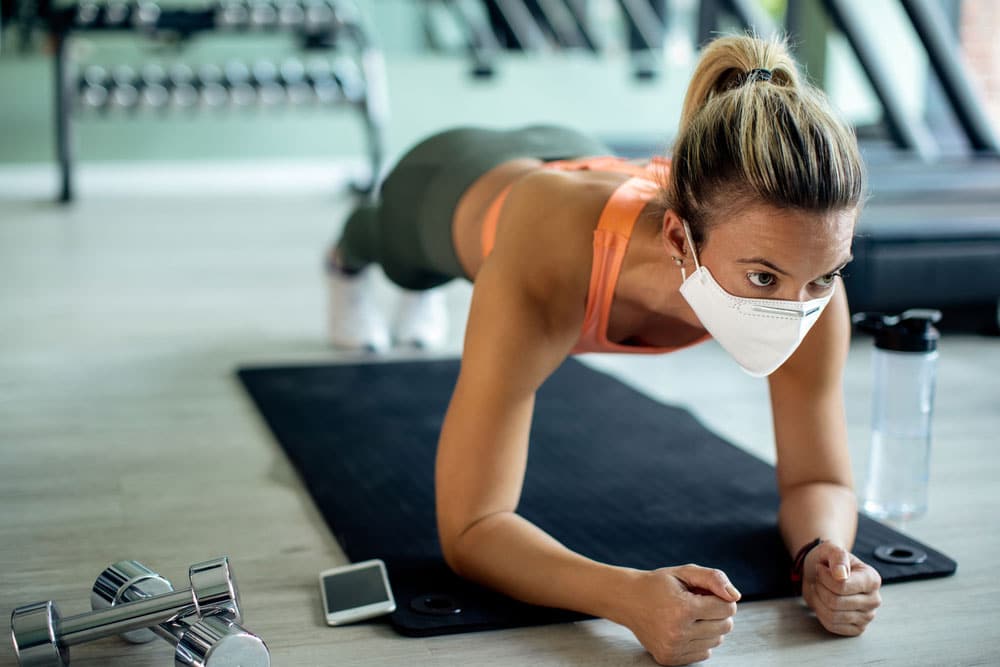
[(354, 588)]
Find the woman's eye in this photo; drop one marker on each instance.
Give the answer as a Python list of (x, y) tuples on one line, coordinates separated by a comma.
[(761, 279), (827, 280)]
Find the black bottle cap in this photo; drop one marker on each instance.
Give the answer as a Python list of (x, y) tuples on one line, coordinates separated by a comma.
[(910, 331)]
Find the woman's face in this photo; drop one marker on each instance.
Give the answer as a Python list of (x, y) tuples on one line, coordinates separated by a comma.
[(771, 253)]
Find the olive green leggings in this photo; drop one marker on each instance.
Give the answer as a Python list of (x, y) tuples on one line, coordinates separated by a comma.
[(408, 229)]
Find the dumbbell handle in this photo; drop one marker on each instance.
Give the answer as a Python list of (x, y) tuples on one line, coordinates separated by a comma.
[(130, 581), (212, 589), (125, 617)]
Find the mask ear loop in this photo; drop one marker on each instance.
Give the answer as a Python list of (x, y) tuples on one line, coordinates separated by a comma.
[(694, 255)]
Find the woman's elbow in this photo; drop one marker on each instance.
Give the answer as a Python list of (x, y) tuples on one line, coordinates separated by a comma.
[(454, 536), (449, 538)]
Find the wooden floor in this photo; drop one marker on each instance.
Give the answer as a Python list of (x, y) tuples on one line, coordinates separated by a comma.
[(124, 434)]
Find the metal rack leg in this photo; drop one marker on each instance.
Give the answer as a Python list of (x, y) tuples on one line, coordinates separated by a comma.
[(375, 113), (481, 41), (64, 138)]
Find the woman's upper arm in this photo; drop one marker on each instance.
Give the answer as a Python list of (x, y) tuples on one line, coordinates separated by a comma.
[(807, 403), (520, 329)]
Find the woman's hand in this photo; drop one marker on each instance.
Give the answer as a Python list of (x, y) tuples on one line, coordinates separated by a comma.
[(679, 614), (842, 589)]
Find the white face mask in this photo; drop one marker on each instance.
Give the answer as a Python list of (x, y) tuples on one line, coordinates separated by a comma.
[(760, 334)]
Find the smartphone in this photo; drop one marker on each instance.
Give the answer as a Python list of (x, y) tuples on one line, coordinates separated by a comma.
[(355, 592)]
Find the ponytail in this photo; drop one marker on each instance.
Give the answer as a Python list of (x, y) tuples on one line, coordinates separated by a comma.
[(754, 131)]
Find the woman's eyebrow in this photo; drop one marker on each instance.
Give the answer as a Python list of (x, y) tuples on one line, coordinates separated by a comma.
[(777, 269), (761, 260)]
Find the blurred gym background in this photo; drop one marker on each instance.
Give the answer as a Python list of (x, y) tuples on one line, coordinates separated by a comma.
[(574, 61), (353, 83)]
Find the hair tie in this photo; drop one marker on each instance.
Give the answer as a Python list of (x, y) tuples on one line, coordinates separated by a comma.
[(759, 74)]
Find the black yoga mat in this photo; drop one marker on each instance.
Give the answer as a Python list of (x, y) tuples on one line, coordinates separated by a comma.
[(612, 474)]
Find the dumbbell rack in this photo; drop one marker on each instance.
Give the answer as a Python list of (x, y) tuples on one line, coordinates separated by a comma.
[(356, 80)]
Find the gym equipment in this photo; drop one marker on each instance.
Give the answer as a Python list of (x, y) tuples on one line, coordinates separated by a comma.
[(242, 95), (123, 75), (86, 13), (210, 73), (232, 15), (290, 15), (217, 641), (214, 95), (264, 72), (236, 72), (94, 97), (347, 75), (154, 96), (116, 13), (146, 16), (318, 24), (540, 26), (212, 641), (128, 581), (123, 97), (293, 77), (263, 15), (95, 75), (184, 96), (612, 474), (42, 637)]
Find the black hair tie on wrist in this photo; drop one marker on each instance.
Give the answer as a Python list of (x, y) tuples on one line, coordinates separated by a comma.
[(759, 74), (796, 575)]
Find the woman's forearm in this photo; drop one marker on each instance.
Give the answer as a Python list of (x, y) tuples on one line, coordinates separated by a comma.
[(818, 509), (509, 553)]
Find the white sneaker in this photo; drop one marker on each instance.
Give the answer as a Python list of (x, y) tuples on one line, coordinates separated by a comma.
[(353, 317), (421, 319)]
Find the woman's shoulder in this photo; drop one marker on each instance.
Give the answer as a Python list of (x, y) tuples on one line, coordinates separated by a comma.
[(577, 197), (559, 209), (546, 229)]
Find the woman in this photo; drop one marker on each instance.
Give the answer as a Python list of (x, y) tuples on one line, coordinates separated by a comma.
[(740, 236)]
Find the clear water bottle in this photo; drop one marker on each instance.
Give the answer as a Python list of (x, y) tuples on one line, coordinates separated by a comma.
[(905, 365)]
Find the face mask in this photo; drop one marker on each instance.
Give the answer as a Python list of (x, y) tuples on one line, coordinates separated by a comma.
[(760, 334)]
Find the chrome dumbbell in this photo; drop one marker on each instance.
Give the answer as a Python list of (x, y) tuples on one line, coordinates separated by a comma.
[(263, 15), (269, 91), (213, 93), (232, 14), (211, 641), (290, 14), (293, 77), (128, 581), (216, 641), (86, 13), (318, 17), (241, 93), (116, 12), (154, 94), (42, 637), (146, 15)]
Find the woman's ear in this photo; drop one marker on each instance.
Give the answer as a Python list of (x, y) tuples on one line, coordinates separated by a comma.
[(674, 238)]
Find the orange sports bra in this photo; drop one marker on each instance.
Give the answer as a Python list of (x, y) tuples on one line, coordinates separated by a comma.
[(611, 237)]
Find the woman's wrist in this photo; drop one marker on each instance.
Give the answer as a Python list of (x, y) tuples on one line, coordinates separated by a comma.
[(797, 573), (619, 590)]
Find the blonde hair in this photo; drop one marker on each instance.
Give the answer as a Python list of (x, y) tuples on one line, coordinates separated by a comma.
[(744, 140)]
